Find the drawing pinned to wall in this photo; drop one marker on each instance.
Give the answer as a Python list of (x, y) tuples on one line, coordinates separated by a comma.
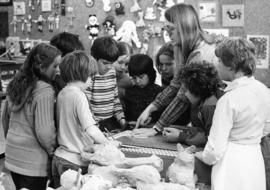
[(207, 11), (46, 5), (261, 43), (19, 8), (233, 15)]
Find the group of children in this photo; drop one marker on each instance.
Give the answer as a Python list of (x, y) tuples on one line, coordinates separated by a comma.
[(106, 90), (85, 89)]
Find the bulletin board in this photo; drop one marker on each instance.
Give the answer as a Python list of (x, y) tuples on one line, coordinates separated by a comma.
[(256, 21)]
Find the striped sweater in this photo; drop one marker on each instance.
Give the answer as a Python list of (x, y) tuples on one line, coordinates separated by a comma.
[(103, 96)]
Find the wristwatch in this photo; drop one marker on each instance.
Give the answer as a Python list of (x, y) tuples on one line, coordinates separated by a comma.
[(159, 132)]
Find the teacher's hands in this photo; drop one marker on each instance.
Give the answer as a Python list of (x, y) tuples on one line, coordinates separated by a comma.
[(171, 134), (145, 116)]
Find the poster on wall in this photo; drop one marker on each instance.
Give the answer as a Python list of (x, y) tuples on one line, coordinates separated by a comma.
[(46, 5), (19, 8), (233, 15), (261, 43), (5, 2), (207, 11)]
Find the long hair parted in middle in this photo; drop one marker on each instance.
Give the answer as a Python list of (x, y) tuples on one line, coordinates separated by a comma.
[(24, 82), (186, 20)]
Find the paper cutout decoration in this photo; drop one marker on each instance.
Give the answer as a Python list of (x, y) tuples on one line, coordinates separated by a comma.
[(92, 27), (46, 5), (119, 8), (89, 3), (109, 26), (207, 11), (107, 5), (128, 33), (233, 15), (150, 14), (140, 22), (19, 8), (261, 43), (135, 7)]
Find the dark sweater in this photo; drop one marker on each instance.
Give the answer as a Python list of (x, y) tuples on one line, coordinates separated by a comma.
[(137, 99)]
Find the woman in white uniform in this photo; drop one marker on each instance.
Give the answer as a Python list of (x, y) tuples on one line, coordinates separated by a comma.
[(233, 146)]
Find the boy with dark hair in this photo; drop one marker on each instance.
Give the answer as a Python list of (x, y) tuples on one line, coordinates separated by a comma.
[(103, 92), (201, 82), (66, 42)]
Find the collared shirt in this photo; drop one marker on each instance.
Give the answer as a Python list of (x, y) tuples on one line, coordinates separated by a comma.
[(240, 117)]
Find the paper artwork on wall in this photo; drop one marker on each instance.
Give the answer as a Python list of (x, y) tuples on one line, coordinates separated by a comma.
[(46, 5), (223, 31), (261, 43), (233, 15), (19, 8), (207, 11)]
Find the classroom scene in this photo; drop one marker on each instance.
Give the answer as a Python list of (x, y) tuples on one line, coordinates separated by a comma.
[(134, 95)]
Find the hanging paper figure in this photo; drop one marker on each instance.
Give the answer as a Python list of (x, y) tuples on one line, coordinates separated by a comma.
[(70, 16), (135, 7), (14, 22), (51, 20), (169, 3), (109, 25), (92, 27), (162, 14), (40, 21), (29, 24), (89, 3), (107, 5), (119, 8), (56, 6), (57, 20), (150, 14), (23, 21), (38, 2), (63, 7), (140, 22), (145, 44), (128, 33)]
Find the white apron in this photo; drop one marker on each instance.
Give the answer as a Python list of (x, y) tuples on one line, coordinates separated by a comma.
[(241, 168)]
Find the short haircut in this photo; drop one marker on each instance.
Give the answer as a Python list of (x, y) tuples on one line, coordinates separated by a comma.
[(200, 78), (124, 48), (142, 64), (77, 66), (238, 54), (105, 48), (66, 42), (166, 49)]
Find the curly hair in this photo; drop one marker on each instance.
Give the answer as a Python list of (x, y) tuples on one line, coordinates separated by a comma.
[(238, 54), (24, 82), (166, 49), (200, 78)]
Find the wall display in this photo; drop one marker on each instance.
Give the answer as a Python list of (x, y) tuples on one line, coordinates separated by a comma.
[(140, 22), (207, 11), (135, 7), (233, 15), (14, 22), (109, 25), (261, 43), (40, 22), (220, 31), (90, 3), (107, 5), (19, 8), (119, 8), (128, 33), (150, 14), (5, 2), (51, 20), (13, 46), (92, 27), (46, 5)]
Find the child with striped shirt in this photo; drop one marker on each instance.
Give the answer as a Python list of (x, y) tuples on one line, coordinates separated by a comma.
[(103, 91)]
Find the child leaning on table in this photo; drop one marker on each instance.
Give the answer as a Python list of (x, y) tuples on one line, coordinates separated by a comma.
[(103, 91), (77, 127), (202, 84)]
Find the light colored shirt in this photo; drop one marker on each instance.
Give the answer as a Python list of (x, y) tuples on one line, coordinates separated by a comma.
[(240, 117), (73, 118)]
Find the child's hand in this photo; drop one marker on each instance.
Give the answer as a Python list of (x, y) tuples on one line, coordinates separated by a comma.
[(123, 123), (171, 134)]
